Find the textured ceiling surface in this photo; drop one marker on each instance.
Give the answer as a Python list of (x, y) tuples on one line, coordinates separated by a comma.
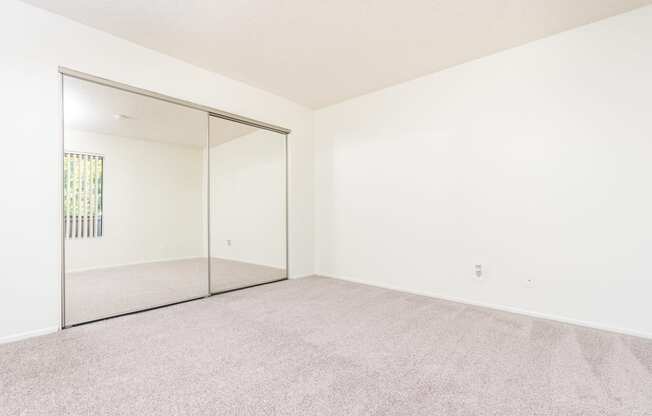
[(317, 52)]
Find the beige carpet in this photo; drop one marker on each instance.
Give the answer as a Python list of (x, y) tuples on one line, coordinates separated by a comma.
[(100, 293), (319, 346), (230, 274)]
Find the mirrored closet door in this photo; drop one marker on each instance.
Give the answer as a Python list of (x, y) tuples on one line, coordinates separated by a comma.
[(248, 221), (134, 202)]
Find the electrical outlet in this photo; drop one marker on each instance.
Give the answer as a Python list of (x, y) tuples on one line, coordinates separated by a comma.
[(529, 282), (478, 272), (228, 242)]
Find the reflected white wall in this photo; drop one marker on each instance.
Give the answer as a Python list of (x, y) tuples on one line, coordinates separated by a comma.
[(153, 206), (248, 199)]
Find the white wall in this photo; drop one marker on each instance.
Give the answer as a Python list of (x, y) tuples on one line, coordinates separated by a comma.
[(535, 162), (34, 43), (248, 199), (153, 206)]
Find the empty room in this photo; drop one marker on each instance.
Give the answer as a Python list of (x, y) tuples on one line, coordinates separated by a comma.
[(429, 207)]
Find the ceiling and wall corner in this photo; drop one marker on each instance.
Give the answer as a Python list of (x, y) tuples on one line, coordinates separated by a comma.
[(318, 53)]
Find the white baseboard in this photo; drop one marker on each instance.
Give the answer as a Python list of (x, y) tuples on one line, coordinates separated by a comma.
[(504, 308), (111, 266), (28, 334), (303, 277)]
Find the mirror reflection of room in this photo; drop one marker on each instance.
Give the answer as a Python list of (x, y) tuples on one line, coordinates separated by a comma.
[(134, 202), (248, 218)]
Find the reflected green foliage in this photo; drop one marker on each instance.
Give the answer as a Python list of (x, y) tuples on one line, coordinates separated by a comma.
[(83, 189)]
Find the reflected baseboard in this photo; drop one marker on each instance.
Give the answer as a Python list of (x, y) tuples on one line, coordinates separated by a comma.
[(102, 292)]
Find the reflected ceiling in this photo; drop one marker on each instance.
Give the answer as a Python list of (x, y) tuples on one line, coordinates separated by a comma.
[(105, 110)]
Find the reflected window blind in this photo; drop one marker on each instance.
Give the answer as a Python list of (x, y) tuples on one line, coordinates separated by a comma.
[(83, 194)]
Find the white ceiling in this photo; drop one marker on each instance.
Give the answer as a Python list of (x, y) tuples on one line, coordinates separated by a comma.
[(223, 131), (93, 107), (319, 52)]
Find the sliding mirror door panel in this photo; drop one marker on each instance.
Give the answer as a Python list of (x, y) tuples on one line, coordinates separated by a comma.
[(135, 202), (248, 229)]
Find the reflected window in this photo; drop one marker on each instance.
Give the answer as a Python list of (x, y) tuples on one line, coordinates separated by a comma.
[(83, 175)]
